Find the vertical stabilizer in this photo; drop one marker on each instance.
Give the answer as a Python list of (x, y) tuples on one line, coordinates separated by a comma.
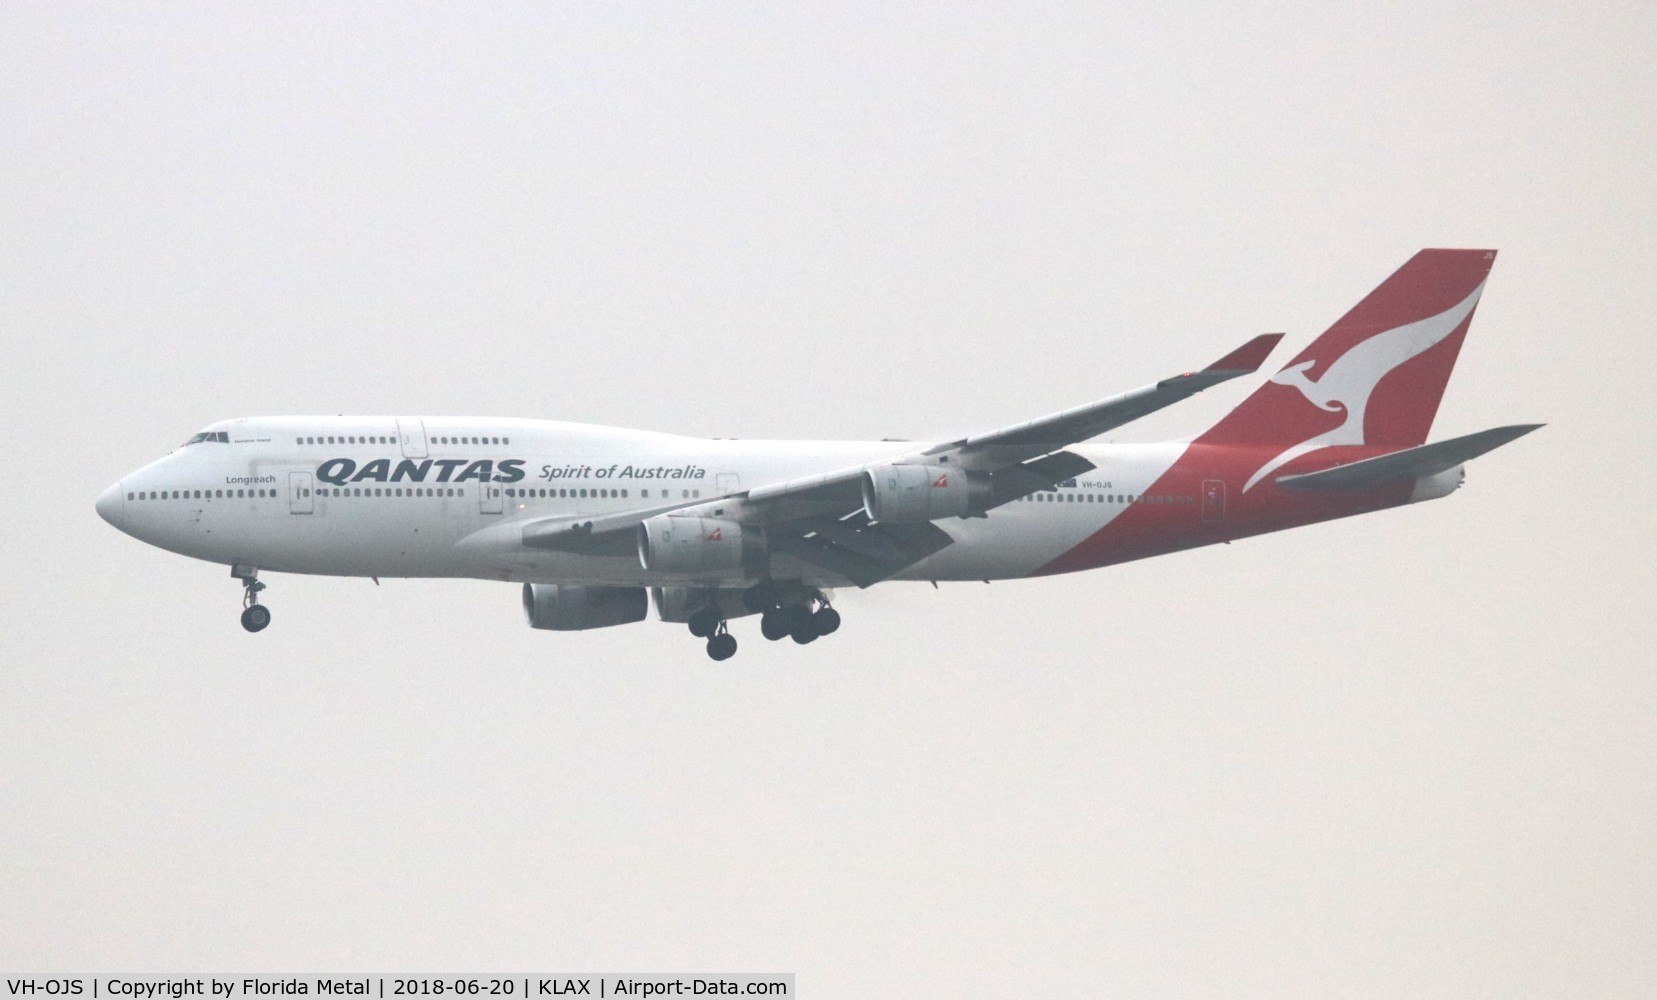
[(1377, 375)]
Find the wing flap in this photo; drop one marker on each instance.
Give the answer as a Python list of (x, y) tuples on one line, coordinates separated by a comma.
[(863, 553), (1015, 481)]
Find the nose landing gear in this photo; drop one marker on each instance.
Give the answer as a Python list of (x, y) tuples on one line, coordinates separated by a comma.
[(255, 616)]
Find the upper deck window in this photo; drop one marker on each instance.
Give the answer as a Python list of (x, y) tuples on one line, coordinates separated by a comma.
[(219, 437)]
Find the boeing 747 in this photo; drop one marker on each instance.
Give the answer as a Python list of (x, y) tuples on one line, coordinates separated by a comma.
[(594, 521)]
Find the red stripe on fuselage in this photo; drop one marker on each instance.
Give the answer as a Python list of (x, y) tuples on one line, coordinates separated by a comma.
[(1150, 527)]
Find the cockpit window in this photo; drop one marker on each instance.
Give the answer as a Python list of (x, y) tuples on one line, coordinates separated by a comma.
[(218, 437)]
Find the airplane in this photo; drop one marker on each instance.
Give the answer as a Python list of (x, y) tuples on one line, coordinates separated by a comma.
[(596, 521)]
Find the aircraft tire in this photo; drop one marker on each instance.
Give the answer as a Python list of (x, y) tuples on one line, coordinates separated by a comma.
[(703, 623), (255, 617), (774, 625), (804, 632), (722, 646), (825, 621)]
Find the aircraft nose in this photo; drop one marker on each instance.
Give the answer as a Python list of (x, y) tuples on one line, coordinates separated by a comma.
[(110, 505)]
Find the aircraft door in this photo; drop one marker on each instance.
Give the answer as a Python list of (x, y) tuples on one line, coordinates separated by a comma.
[(489, 498), (411, 434), (727, 483), (299, 493), (1213, 500)]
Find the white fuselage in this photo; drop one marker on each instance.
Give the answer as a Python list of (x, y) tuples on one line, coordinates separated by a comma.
[(448, 497)]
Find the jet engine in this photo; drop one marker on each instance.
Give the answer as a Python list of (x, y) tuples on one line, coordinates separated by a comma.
[(567, 607), (669, 544), (909, 493)]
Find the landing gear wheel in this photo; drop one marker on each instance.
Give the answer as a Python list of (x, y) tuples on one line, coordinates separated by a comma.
[(255, 617), (722, 646), (826, 620), (704, 623), (774, 624), (804, 631)]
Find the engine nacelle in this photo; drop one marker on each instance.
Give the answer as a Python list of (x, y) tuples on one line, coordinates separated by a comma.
[(566, 607), (669, 544), (909, 493), (677, 604)]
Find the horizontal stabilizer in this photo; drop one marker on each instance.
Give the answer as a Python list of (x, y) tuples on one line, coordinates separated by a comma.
[(1418, 462)]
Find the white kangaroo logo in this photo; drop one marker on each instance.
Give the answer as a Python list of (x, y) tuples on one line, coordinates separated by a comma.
[(1349, 381)]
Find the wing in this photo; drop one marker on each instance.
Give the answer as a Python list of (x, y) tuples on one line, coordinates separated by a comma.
[(999, 449), (821, 519)]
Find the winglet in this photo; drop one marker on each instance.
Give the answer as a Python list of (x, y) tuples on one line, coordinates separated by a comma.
[(1249, 357)]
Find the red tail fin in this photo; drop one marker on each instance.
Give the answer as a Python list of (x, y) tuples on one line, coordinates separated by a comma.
[(1377, 375)]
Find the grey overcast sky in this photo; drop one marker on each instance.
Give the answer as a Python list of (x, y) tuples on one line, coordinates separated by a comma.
[(1411, 754)]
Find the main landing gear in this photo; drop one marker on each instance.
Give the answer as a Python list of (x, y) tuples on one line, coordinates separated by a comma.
[(255, 616), (800, 613), (707, 624), (800, 622)]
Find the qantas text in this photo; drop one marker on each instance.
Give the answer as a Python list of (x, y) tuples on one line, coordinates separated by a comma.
[(340, 471)]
